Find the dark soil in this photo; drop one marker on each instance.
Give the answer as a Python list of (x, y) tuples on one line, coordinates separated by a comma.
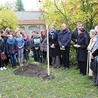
[(33, 70)]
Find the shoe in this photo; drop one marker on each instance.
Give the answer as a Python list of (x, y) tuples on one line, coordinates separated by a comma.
[(66, 68), (1, 68), (4, 68), (63, 68), (21, 64), (55, 66), (95, 85), (77, 68), (58, 66)]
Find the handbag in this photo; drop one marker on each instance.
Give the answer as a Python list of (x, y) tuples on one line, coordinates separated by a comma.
[(3, 56)]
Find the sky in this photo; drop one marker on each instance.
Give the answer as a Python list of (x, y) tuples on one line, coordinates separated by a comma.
[(28, 4)]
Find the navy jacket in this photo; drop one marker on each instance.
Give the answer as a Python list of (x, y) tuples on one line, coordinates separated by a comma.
[(64, 38)]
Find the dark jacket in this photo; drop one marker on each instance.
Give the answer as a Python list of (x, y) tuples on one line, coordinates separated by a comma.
[(64, 38), (11, 46), (74, 36), (5, 40), (35, 42), (43, 43), (83, 41), (53, 39), (26, 45), (2, 48)]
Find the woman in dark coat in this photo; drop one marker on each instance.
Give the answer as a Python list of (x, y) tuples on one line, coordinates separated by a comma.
[(43, 46), (81, 46), (26, 48), (54, 47), (2, 51)]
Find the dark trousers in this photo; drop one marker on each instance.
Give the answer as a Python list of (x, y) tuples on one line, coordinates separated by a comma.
[(36, 55), (65, 57), (6, 62), (13, 60), (43, 55), (1, 63), (26, 55), (83, 66)]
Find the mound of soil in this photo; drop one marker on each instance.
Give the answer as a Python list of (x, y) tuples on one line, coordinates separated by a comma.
[(33, 70)]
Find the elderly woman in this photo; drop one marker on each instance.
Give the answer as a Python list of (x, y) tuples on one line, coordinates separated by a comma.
[(95, 59), (90, 46), (81, 46), (54, 47)]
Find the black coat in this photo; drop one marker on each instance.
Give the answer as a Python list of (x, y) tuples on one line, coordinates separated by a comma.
[(26, 45), (74, 36), (53, 39), (2, 48), (83, 41)]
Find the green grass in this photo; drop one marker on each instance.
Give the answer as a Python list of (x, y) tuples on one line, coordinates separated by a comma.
[(66, 84)]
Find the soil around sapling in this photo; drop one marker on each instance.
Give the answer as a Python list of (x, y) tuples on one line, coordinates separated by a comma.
[(33, 70)]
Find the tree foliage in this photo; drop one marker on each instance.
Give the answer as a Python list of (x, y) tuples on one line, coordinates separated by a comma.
[(7, 19), (70, 11), (19, 6)]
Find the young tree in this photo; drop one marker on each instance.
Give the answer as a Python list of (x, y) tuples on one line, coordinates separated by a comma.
[(19, 6)]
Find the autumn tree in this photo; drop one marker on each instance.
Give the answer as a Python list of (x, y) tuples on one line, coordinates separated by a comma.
[(19, 6), (70, 12), (7, 19)]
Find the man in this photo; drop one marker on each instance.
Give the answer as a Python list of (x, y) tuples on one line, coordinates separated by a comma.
[(64, 38), (75, 35)]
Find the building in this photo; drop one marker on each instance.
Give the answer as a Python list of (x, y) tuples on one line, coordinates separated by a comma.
[(29, 21)]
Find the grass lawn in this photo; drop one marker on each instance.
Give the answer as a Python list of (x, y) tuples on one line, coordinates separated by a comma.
[(66, 84)]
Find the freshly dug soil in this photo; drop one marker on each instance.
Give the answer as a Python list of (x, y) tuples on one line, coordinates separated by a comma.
[(33, 70)]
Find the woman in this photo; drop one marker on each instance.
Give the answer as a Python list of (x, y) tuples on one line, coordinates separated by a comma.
[(26, 48), (35, 45), (2, 51), (11, 50), (20, 47), (90, 46), (54, 47), (81, 46), (43, 46), (95, 59)]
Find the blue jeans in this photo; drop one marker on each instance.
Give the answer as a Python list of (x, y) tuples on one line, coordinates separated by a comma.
[(20, 55), (13, 60)]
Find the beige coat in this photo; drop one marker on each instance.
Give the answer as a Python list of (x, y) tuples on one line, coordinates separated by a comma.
[(89, 71)]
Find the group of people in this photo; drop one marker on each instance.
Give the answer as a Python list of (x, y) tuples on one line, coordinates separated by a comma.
[(17, 47)]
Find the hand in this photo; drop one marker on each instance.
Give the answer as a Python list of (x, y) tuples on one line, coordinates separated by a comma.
[(78, 46), (63, 47), (88, 48), (2, 53), (92, 57), (52, 46), (36, 48)]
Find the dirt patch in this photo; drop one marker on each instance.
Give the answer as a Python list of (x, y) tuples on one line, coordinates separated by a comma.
[(33, 70)]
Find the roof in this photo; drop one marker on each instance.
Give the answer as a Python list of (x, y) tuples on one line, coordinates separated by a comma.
[(30, 22), (28, 17)]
